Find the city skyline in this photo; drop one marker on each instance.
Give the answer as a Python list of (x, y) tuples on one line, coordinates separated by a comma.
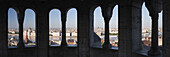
[(55, 19)]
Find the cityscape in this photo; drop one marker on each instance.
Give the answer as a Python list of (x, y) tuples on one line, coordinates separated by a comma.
[(55, 32), (29, 37), (55, 37), (85, 28)]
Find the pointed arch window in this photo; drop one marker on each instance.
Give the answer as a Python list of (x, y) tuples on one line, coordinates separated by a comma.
[(71, 27), (29, 28), (55, 29), (13, 28)]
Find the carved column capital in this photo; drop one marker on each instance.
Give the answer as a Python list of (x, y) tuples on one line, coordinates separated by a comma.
[(21, 14), (64, 15), (107, 11), (154, 7)]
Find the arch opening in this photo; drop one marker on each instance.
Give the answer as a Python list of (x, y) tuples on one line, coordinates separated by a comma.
[(71, 27), (55, 29), (113, 30), (99, 26), (147, 28), (13, 28), (29, 28)]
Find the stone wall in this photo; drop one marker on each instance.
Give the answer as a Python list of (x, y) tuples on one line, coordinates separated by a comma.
[(129, 28)]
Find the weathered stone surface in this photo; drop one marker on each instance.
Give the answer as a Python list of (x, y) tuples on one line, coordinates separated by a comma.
[(129, 28), (166, 29), (97, 41)]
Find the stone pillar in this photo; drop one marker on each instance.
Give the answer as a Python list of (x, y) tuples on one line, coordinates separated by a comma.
[(3, 30), (125, 29), (154, 9), (21, 14), (107, 14), (154, 42), (64, 19), (129, 28), (84, 31), (42, 21), (137, 26), (166, 28)]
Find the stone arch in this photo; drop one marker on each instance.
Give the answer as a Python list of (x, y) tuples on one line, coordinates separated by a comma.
[(146, 25), (160, 29), (13, 29), (154, 7), (29, 28), (113, 30), (98, 27), (94, 42), (101, 37), (71, 27), (55, 23)]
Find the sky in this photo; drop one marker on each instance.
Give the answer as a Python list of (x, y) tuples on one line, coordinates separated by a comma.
[(146, 20), (55, 19)]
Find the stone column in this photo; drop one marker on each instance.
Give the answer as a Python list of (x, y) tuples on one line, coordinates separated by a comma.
[(125, 30), (3, 30), (63, 19), (154, 42), (107, 14), (42, 21), (166, 28), (129, 27), (137, 26), (84, 23), (21, 14), (154, 8)]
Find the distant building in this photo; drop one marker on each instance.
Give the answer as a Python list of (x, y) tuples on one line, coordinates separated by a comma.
[(74, 34), (33, 33), (30, 34), (68, 34), (99, 33), (113, 31), (13, 32), (55, 33)]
